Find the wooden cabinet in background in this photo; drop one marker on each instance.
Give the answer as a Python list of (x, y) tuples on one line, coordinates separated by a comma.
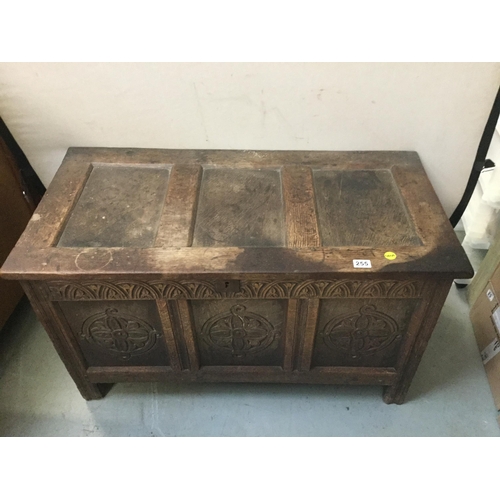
[(15, 212)]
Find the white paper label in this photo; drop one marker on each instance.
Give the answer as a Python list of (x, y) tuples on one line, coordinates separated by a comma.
[(490, 295), (490, 351), (496, 318), (362, 263)]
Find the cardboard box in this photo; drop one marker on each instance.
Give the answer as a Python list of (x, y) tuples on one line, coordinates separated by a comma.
[(495, 278), (485, 317)]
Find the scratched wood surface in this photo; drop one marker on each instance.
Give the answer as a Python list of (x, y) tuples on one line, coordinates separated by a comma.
[(209, 265), (240, 332), (237, 211), (362, 208), (301, 219), (117, 333), (240, 208), (361, 332), (178, 217), (119, 207)]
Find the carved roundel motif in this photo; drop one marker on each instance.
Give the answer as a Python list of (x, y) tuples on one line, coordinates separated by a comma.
[(363, 333), (239, 332), (120, 334)]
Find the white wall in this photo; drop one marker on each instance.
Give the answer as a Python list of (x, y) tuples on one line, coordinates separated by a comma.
[(438, 110)]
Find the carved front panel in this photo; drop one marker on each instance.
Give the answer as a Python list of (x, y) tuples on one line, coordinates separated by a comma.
[(117, 333), (361, 332), (249, 289), (240, 332)]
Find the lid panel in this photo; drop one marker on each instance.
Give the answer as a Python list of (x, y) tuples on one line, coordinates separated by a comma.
[(309, 213), (120, 206), (361, 208), (240, 207)]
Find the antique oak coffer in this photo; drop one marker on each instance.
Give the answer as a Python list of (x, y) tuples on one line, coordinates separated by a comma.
[(239, 266)]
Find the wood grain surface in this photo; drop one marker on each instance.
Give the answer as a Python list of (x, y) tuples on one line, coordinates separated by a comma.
[(252, 212), (179, 212), (240, 208), (362, 208), (301, 219), (119, 207), (238, 266)]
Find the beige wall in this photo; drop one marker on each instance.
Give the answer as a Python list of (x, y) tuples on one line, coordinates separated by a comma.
[(438, 110)]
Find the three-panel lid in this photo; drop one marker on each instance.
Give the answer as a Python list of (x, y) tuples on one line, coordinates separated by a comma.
[(177, 212)]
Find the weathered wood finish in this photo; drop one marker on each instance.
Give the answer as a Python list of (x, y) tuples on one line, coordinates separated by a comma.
[(119, 207), (177, 221), (291, 335), (237, 266), (309, 318), (239, 332), (117, 333), (361, 332), (301, 220), (418, 335), (169, 336), (186, 327), (69, 353), (273, 374), (239, 208), (362, 208)]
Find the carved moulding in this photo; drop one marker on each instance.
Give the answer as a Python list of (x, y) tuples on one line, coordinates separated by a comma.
[(120, 334), (261, 289), (360, 334), (239, 332)]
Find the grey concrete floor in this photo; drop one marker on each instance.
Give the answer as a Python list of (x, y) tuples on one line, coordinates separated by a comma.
[(449, 396)]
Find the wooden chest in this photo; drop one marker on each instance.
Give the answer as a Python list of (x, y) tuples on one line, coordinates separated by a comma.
[(240, 266)]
